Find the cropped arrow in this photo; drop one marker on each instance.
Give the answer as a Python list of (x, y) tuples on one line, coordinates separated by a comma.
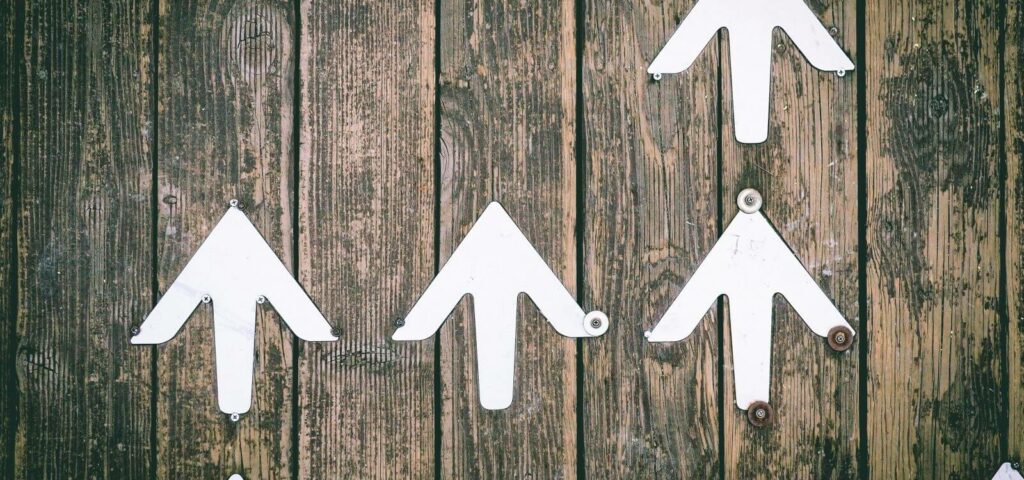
[(494, 264), (749, 265), (235, 269), (750, 24)]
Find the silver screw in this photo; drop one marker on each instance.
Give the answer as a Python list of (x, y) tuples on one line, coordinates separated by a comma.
[(760, 413), (233, 203), (840, 338), (207, 298), (234, 417), (656, 77), (595, 323), (260, 299), (840, 73)]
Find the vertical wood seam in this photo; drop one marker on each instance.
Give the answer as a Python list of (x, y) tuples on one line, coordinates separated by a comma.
[(863, 464), (1003, 292), (581, 195), (154, 279), (293, 456), (719, 226), (437, 387)]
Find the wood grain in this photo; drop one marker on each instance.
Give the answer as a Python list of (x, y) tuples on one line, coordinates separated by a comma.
[(367, 236), (508, 88), (650, 211), (10, 80), (934, 383), (225, 131), (1013, 104), (807, 173), (84, 244)]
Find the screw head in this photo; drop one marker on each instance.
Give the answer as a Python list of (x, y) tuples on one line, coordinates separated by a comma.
[(400, 322), (749, 200), (656, 77), (261, 299), (135, 330), (207, 298), (840, 338), (233, 203), (760, 414), (235, 417), (335, 331), (595, 323)]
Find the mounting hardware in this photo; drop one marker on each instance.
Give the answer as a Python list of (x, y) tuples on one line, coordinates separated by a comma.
[(840, 338), (760, 414), (749, 200)]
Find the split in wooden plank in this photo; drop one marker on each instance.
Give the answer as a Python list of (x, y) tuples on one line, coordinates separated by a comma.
[(366, 212), (226, 95), (933, 265), (807, 174), (651, 181), (1013, 103), (84, 240), (507, 89)]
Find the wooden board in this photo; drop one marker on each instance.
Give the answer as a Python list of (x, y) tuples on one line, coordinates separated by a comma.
[(84, 240), (807, 173), (10, 79), (651, 180), (508, 88), (1013, 105), (225, 96), (933, 264), (367, 236)]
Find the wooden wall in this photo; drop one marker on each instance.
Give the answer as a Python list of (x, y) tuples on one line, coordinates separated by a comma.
[(364, 138)]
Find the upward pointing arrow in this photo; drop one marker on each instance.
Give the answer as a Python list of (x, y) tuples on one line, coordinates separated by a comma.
[(494, 264), (235, 269), (750, 24), (749, 265)]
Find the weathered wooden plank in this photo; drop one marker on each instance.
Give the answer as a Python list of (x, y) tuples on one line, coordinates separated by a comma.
[(1013, 102), (933, 267), (10, 73), (807, 173), (367, 236), (651, 182), (507, 130), (226, 81), (84, 240)]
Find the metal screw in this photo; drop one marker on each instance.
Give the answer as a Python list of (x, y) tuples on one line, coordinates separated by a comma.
[(595, 323), (840, 73), (840, 338), (760, 413), (335, 331), (135, 330), (400, 322), (207, 298), (656, 77), (261, 299), (749, 200), (234, 417), (233, 203)]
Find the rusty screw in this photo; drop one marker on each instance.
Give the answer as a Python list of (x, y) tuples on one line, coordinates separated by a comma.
[(760, 414), (840, 338)]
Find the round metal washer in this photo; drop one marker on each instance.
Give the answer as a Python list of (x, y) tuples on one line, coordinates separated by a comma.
[(760, 414), (749, 200), (595, 323), (840, 338)]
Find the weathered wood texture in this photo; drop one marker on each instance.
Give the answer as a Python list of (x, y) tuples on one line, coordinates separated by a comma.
[(807, 173), (651, 215), (508, 88), (1013, 105), (225, 96), (84, 240), (366, 196), (10, 79), (933, 191)]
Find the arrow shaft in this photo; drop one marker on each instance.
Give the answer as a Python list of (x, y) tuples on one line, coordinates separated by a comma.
[(234, 330), (750, 54), (495, 315), (750, 325)]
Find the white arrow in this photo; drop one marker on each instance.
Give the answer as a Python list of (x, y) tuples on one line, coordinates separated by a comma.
[(1007, 472), (236, 269), (749, 265), (750, 24), (494, 264)]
